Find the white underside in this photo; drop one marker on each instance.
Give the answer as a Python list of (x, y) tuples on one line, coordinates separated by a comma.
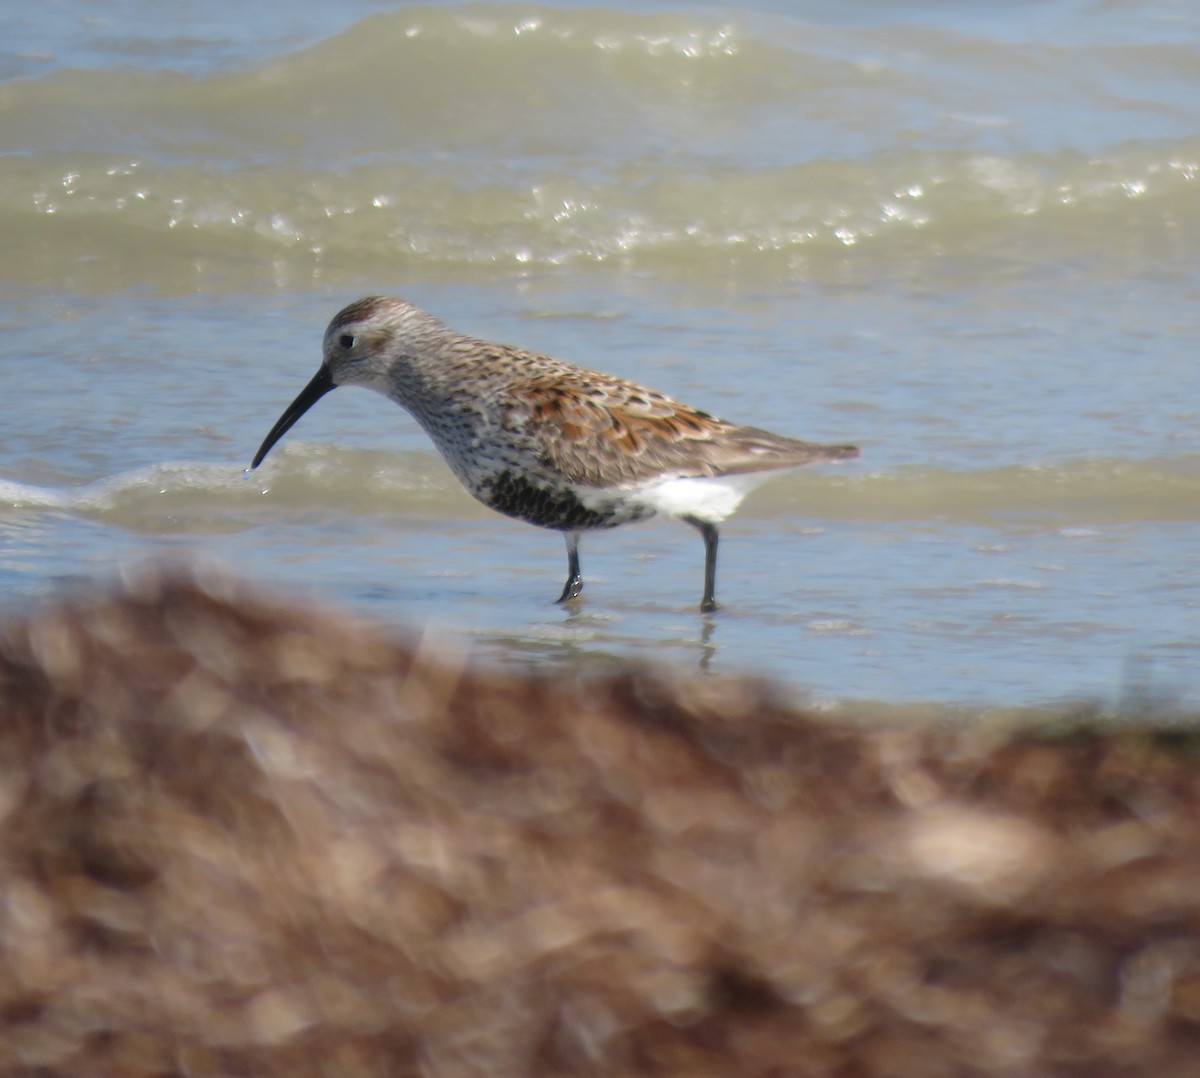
[(711, 498)]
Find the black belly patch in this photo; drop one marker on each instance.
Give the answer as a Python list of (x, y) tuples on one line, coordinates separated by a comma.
[(548, 507)]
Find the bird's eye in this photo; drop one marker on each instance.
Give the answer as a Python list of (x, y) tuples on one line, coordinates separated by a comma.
[(346, 340)]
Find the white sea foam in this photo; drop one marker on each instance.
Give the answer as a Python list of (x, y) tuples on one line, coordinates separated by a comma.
[(25, 496), (103, 496)]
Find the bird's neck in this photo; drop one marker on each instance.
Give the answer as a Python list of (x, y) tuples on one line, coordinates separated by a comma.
[(450, 375)]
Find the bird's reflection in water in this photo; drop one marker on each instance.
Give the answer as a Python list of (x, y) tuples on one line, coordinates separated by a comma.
[(585, 642), (708, 625)]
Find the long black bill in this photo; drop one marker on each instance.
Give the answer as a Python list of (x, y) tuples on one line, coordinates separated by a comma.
[(321, 384)]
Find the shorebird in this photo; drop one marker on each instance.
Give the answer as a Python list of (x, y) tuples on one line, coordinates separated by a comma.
[(548, 442)]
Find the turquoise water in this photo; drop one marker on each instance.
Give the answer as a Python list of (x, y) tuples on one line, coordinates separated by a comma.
[(965, 242)]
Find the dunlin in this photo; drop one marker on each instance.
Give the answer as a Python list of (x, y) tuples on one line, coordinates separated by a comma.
[(548, 442)]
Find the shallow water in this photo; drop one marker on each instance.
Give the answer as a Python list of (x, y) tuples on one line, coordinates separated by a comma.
[(966, 242)]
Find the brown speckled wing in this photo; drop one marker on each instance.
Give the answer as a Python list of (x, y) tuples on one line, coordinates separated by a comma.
[(596, 430)]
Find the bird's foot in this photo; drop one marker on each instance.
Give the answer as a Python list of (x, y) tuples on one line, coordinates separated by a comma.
[(571, 589)]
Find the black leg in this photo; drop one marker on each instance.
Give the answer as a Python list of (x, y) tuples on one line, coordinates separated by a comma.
[(709, 532), (574, 584)]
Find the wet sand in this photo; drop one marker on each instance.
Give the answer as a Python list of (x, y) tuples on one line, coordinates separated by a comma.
[(243, 836)]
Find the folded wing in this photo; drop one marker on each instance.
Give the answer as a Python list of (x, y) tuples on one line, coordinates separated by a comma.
[(599, 431)]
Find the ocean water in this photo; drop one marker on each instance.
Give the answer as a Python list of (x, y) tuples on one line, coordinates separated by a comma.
[(965, 237)]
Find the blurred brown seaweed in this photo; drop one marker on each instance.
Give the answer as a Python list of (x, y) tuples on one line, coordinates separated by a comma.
[(240, 836)]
